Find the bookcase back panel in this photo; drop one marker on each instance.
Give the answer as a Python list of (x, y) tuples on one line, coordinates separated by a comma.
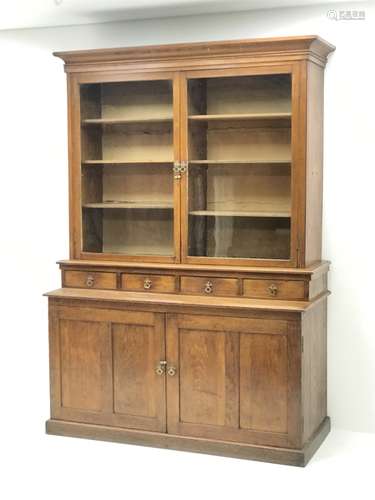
[(138, 183), (146, 143), (138, 232), (127, 100), (239, 237), (244, 188), (244, 94)]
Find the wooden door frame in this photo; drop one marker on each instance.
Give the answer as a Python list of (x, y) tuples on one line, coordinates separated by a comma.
[(74, 80), (298, 140)]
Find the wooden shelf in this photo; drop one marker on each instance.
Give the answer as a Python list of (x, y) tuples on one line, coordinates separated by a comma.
[(130, 205), (240, 162), (241, 116), (124, 163), (238, 213), (128, 121)]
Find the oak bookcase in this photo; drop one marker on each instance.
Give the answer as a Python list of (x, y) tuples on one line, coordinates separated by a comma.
[(192, 313)]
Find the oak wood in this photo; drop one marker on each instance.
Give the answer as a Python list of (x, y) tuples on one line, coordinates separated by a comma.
[(314, 270), (209, 286), (290, 48), (103, 367), (241, 116), (166, 332), (187, 300), (210, 395), (286, 456), (277, 289), (149, 282), (82, 279)]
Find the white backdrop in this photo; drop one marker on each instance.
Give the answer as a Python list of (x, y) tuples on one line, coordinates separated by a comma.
[(34, 199)]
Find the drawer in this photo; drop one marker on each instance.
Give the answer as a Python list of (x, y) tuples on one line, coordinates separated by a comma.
[(274, 289), (87, 279), (209, 286), (148, 282)]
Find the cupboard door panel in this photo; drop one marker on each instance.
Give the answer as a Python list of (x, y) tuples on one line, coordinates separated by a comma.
[(83, 366), (81, 369), (264, 382), (237, 385), (207, 378), (139, 393)]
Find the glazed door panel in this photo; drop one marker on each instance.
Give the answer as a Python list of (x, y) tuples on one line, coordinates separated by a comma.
[(238, 198), (236, 379), (103, 367), (126, 128)]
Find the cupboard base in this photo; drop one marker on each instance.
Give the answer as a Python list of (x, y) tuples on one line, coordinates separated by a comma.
[(235, 450)]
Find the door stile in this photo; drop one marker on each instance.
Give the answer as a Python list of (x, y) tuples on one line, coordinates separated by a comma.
[(172, 382), (177, 159), (184, 158), (74, 154), (299, 134)]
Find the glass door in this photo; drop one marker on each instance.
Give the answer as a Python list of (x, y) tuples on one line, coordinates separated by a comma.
[(127, 156), (238, 191)]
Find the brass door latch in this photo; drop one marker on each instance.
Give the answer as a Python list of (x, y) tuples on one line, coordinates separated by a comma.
[(162, 368), (179, 168)]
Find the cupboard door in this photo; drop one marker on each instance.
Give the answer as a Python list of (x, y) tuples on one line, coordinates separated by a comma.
[(103, 367), (236, 379)]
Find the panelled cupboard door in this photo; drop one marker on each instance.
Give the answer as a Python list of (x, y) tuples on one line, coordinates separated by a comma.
[(103, 367), (236, 379)]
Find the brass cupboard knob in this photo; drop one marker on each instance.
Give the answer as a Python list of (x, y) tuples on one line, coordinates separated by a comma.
[(209, 287), (147, 284), (272, 290), (90, 281), (172, 371)]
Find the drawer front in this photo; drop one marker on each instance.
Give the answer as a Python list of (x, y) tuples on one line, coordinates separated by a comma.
[(274, 289), (86, 279), (148, 283), (209, 286)]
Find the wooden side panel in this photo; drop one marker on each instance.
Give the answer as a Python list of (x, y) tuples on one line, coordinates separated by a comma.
[(314, 368), (233, 383), (314, 163), (264, 382)]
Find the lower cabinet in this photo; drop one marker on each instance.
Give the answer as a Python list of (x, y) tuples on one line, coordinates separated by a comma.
[(223, 378)]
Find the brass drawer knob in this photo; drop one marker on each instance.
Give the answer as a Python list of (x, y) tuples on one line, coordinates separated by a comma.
[(272, 290), (147, 284), (209, 287), (90, 281), (160, 369), (172, 371)]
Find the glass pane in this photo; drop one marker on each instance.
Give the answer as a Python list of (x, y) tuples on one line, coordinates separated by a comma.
[(240, 167), (127, 168)]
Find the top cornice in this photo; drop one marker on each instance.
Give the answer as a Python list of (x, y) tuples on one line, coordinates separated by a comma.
[(286, 48)]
